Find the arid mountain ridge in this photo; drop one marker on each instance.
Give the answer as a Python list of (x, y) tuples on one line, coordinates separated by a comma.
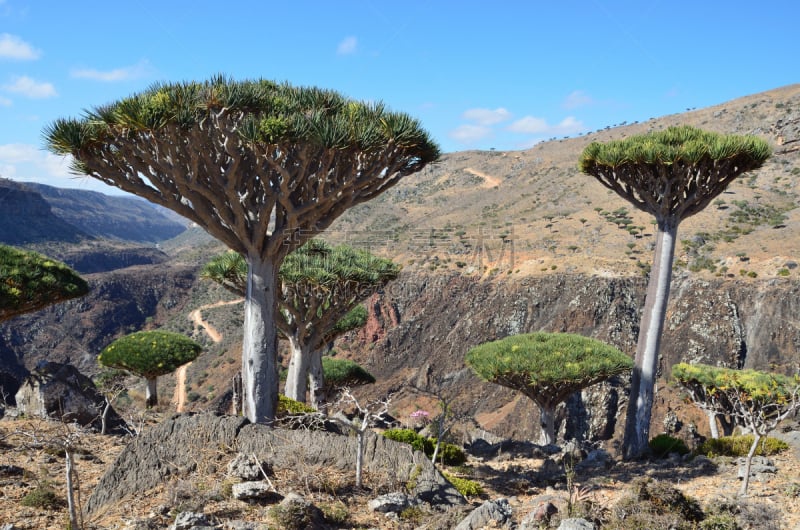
[(495, 243)]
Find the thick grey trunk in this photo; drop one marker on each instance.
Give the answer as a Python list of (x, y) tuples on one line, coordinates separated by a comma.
[(151, 394), (299, 367), (316, 382), (643, 377), (712, 424), (260, 345), (547, 421)]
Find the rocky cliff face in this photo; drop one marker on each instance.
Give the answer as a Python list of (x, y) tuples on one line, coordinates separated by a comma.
[(118, 302), (421, 328)]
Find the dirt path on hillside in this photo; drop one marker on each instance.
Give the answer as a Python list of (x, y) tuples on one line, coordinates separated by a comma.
[(196, 317), (488, 180)]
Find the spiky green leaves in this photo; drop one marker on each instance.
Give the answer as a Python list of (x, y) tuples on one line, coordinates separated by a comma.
[(675, 145), (547, 367), (150, 354), (341, 372), (30, 281), (753, 386), (266, 113)]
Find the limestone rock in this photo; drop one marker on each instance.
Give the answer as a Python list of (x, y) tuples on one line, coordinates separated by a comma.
[(60, 391), (246, 467), (392, 502), (575, 524), (252, 490), (497, 513)]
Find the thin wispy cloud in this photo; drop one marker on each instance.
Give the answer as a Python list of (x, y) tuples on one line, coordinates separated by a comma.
[(534, 125), (12, 47), (30, 88), (126, 73), (577, 98), (470, 134), (487, 116), (5, 102), (348, 46)]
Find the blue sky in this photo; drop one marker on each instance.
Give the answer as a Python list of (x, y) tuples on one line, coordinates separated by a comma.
[(479, 75)]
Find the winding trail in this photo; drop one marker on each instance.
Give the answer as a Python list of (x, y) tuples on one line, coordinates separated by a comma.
[(196, 316), (489, 181)]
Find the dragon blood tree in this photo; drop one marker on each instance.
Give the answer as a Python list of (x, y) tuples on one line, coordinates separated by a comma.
[(757, 400), (547, 368), (150, 354), (670, 174), (260, 165), (321, 288), (30, 281)]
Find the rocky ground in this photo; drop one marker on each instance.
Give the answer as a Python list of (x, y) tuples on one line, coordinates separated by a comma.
[(31, 458)]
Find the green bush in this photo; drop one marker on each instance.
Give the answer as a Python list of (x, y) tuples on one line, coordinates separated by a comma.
[(288, 406), (740, 446), (465, 486), (664, 444), (150, 354), (449, 454), (42, 497)]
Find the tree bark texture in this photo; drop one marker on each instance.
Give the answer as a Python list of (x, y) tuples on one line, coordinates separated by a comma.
[(547, 420), (299, 367), (260, 346), (712, 424), (151, 395), (643, 377), (316, 381)]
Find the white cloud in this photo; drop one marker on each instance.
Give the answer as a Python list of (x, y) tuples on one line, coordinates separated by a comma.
[(31, 88), (469, 134), (12, 47), (347, 46), (29, 163), (529, 125), (486, 116), (577, 98), (533, 125), (136, 71)]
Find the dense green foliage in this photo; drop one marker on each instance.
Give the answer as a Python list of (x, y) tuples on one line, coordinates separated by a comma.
[(737, 446), (466, 487), (315, 278), (150, 354), (547, 367), (274, 113), (288, 406), (711, 383), (683, 145), (449, 454), (341, 372), (30, 281), (664, 444)]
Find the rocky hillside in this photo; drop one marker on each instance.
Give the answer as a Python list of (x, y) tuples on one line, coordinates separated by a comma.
[(35, 213), (495, 243)]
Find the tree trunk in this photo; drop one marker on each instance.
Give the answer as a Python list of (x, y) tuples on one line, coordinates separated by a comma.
[(547, 421), (728, 423), (316, 381), (643, 377), (104, 416), (748, 463), (151, 395), (260, 345), (712, 424), (71, 505), (299, 369)]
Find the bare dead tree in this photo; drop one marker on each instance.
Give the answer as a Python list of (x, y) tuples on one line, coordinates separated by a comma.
[(366, 416)]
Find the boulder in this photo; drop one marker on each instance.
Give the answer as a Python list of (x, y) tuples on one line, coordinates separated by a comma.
[(575, 524), (60, 391), (160, 452), (296, 512), (253, 490), (490, 514), (245, 467), (394, 502), (191, 521)]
